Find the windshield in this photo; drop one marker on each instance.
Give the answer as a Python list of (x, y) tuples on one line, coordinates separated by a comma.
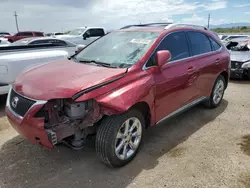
[(120, 49), (78, 31)]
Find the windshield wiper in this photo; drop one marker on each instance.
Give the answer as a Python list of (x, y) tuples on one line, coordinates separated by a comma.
[(98, 63)]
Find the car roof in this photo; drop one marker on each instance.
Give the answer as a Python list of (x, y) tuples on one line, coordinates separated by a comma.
[(31, 39), (160, 27)]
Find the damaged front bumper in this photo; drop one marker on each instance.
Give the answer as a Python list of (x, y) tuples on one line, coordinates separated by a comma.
[(28, 126), (51, 122)]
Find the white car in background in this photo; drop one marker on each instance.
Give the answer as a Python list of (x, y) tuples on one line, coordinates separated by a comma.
[(4, 42), (28, 53), (83, 35)]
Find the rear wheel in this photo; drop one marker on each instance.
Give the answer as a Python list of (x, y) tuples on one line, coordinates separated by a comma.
[(217, 93), (119, 137)]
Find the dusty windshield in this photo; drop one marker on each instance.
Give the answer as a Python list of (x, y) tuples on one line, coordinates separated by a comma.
[(120, 49), (77, 31)]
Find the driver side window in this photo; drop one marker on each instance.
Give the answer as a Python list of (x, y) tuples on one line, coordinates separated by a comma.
[(176, 43)]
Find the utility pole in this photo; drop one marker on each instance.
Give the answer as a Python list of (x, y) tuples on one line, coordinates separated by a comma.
[(208, 21), (16, 22)]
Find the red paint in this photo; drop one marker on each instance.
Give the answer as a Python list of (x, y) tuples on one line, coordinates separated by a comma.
[(62, 79), (29, 127), (16, 37), (163, 88)]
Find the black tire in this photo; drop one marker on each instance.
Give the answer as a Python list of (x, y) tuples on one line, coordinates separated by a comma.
[(209, 103), (106, 137)]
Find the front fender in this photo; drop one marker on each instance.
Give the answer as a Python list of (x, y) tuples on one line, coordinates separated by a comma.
[(121, 99)]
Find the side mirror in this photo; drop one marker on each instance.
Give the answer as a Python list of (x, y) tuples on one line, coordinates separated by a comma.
[(162, 57), (85, 36)]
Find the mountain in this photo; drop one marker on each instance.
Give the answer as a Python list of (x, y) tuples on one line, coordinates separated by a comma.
[(229, 25)]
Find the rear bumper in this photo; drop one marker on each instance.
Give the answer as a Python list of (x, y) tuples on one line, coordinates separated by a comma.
[(28, 126)]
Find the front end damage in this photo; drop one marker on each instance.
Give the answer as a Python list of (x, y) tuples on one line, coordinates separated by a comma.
[(70, 122), (55, 121)]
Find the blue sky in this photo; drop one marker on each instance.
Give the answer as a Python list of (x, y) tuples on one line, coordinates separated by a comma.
[(60, 15)]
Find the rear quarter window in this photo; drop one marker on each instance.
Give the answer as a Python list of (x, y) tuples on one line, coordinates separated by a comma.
[(199, 43), (214, 44)]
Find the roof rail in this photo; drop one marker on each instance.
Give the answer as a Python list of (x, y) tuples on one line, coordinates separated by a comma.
[(185, 25), (145, 25)]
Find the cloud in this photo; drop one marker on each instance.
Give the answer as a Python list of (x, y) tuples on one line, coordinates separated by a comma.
[(240, 6), (247, 12), (195, 19), (215, 5), (58, 15)]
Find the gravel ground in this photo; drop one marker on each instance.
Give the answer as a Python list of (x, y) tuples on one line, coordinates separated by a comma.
[(200, 148)]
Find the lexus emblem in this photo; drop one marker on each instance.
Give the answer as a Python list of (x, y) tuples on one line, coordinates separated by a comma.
[(14, 102)]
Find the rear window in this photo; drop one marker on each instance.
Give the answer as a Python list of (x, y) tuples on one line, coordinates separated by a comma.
[(38, 34), (24, 34), (200, 43)]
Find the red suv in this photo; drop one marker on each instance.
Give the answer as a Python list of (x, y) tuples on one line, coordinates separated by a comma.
[(119, 85), (23, 34)]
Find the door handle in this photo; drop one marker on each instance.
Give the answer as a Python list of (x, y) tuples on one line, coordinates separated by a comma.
[(191, 69)]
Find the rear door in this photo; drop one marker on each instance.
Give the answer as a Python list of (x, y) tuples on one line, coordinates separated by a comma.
[(173, 88), (206, 59)]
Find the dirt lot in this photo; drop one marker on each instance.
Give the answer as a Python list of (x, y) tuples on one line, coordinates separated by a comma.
[(200, 148)]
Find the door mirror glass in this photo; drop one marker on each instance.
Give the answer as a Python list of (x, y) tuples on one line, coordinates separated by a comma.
[(162, 57), (86, 35)]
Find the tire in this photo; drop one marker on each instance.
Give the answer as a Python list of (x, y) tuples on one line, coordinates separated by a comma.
[(211, 102), (107, 140)]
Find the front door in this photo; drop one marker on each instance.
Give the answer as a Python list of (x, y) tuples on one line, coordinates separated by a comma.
[(174, 82)]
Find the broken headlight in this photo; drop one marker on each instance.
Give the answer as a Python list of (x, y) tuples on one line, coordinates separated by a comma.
[(77, 110)]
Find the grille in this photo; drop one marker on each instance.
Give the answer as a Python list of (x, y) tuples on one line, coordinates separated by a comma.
[(19, 104), (236, 64)]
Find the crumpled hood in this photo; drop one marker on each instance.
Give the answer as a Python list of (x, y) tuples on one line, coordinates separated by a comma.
[(62, 79), (241, 56)]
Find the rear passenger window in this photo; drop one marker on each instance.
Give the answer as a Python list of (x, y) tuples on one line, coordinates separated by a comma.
[(200, 43), (215, 45)]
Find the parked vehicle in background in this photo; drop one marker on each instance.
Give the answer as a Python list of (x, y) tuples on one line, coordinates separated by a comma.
[(24, 34), (42, 41), (230, 37), (2, 33), (83, 35), (50, 41), (4, 42), (17, 59), (238, 42), (53, 34), (119, 85), (222, 37), (240, 61)]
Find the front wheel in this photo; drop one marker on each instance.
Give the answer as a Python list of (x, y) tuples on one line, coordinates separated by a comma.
[(217, 93), (119, 137)]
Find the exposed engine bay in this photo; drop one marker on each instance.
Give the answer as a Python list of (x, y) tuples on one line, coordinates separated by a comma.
[(70, 122)]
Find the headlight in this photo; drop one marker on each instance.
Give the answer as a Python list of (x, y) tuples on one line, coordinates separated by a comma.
[(3, 69), (246, 65)]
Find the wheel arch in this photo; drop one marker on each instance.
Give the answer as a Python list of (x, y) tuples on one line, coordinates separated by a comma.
[(144, 108), (225, 75)]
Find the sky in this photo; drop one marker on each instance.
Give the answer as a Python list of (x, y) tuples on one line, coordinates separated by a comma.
[(63, 15)]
